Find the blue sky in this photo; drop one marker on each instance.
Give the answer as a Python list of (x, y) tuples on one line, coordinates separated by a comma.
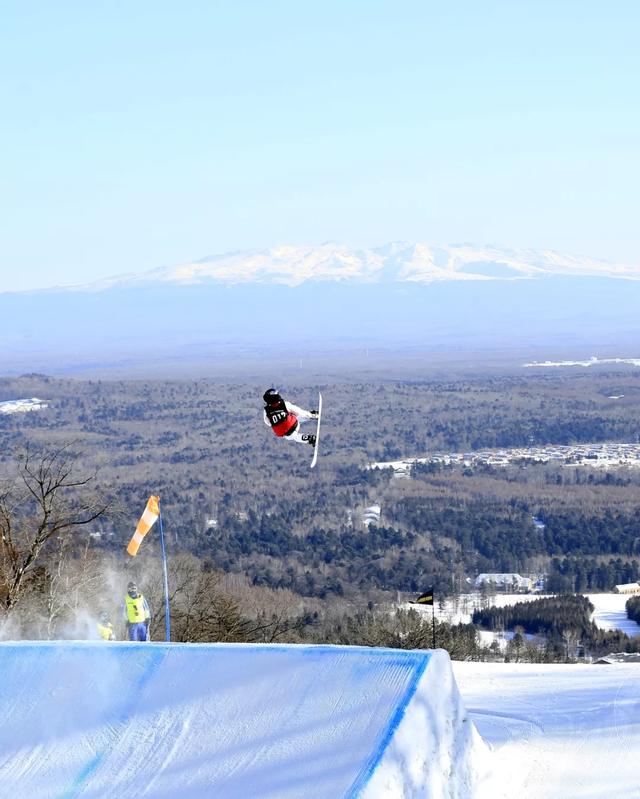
[(139, 135)]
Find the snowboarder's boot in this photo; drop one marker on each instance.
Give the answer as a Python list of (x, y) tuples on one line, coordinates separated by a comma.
[(310, 439)]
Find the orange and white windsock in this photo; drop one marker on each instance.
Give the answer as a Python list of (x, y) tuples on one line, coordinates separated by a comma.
[(147, 520)]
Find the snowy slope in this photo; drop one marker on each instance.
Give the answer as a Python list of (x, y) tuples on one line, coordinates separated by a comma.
[(557, 731), (235, 721)]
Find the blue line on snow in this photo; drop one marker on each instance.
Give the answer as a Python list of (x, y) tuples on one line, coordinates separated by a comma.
[(155, 655), (367, 772)]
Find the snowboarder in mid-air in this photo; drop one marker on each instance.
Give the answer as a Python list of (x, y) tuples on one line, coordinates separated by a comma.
[(284, 418)]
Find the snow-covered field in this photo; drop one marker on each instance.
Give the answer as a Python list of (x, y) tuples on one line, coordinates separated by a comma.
[(610, 614), (22, 405), (556, 731)]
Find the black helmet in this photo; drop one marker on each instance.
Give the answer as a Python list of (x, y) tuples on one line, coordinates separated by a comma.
[(132, 587), (104, 617), (271, 396)]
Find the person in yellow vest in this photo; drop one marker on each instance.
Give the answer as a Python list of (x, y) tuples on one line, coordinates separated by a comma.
[(105, 627), (137, 614)]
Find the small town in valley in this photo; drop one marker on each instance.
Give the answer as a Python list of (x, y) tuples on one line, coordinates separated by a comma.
[(601, 455)]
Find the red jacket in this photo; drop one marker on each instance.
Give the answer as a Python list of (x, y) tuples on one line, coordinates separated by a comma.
[(282, 421)]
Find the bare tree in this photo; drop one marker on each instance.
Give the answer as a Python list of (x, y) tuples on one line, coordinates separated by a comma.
[(207, 606), (46, 500), (70, 580)]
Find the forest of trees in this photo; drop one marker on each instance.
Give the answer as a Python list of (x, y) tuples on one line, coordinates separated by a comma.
[(243, 505), (546, 615), (590, 574), (563, 620), (633, 609)]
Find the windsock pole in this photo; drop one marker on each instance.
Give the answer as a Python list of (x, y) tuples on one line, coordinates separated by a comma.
[(433, 622), (167, 617)]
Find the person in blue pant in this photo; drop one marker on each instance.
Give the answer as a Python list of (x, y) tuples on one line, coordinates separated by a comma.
[(137, 614)]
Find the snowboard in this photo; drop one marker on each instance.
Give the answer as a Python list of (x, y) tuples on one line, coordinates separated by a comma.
[(315, 449)]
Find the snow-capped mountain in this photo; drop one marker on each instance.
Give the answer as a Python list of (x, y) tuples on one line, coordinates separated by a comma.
[(301, 299), (395, 262)]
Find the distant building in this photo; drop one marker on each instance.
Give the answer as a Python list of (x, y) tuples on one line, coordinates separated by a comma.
[(371, 515), (538, 582), (504, 582), (619, 657), (627, 588)]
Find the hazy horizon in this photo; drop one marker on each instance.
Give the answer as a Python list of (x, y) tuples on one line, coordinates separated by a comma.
[(150, 136)]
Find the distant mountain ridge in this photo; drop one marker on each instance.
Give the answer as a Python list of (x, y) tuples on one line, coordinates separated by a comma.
[(287, 301), (396, 262)]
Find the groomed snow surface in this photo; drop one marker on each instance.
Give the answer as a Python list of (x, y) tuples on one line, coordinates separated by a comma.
[(557, 731), (122, 720)]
